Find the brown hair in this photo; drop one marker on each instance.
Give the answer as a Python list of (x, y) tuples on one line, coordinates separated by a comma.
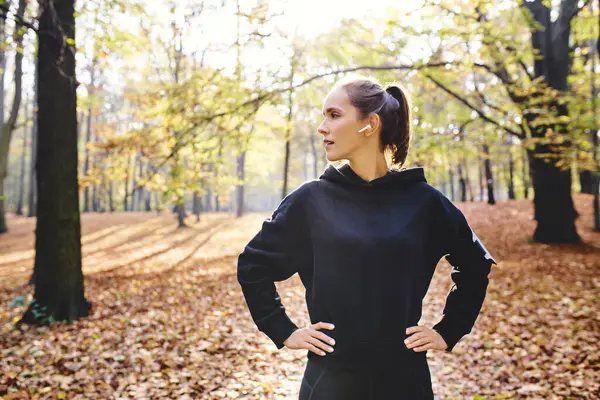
[(368, 96)]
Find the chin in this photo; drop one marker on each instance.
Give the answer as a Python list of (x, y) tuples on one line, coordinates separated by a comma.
[(332, 156)]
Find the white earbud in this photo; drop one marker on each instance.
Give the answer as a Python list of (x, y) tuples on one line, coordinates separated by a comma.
[(366, 127)]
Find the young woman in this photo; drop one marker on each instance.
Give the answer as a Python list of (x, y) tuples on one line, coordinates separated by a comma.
[(365, 239)]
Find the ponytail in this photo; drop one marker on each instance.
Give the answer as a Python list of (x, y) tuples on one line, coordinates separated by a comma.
[(397, 137)]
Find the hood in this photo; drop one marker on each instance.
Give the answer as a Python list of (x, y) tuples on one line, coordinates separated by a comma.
[(345, 175)]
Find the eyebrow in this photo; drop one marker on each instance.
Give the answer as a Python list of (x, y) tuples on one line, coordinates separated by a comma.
[(331, 109)]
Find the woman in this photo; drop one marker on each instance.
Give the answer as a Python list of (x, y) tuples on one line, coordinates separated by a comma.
[(365, 239)]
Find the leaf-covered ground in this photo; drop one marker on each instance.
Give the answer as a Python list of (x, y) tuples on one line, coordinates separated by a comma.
[(169, 319)]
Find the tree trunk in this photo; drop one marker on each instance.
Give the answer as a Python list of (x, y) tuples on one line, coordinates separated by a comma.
[(286, 159), (31, 211), (181, 215), (511, 174), (111, 203), (288, 129), (216, 169), (241, 161), (481, 165), (3, 227), (451, 182), (88, 138), (127, 173), (197, 206), (488, 175), (147, 193), (208, 197), (525, 175), (135, 191), (9, 126), (23, 159), (140, 196), (554, 209), (286, 164), (468, 181), (594, 132), (462, 183), (59, 289), (586, 181), (95, 197)]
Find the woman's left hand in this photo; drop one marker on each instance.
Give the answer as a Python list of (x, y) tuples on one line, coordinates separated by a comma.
[(423, 338)]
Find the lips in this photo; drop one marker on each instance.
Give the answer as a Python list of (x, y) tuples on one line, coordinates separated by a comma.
[(326, 142)]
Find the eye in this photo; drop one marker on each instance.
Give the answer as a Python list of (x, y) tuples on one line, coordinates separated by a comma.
[(333, 115)]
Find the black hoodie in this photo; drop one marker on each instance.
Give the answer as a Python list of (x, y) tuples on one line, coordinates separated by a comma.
[(366, 253)]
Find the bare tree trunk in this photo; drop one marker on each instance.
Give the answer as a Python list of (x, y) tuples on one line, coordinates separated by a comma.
[(480, 165), (525, 175), (148, 194), (148, 201), (134, 186), (3, 227), (111, 204), (586, 182), (511, 173), (555, 211), (88, 135), (196, 206), (594, 132), (23, 159), (31, 211), (140, 197), (241, 161), (2, 61), (451, 181), (209, 191), (462, 182), (467, 180), (9, 126), (286, 160), (127, 174), (59, 289), (288, 133), (488, 175), (286, 163), (217, 168), (86, 165)]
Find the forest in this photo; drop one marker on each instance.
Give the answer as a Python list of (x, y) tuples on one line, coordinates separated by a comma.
[(143, 143)]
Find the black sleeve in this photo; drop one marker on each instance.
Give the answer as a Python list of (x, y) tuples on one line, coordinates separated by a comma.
[(471, 266), (274, 254)]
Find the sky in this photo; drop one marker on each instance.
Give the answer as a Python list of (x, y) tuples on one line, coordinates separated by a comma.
[(308, 18)]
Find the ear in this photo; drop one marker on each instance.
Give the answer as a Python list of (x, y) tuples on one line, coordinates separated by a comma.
[(375, 122)]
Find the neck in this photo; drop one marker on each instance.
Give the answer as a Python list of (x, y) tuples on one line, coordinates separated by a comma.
[(369, 168)]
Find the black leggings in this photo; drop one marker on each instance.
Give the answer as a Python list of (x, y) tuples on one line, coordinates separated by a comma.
[(321, 382)]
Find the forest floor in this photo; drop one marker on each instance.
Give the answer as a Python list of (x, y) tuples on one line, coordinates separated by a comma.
[(169, 319)]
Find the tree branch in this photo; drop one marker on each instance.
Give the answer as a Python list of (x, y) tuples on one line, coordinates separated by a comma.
[(19, 20), (472, 107)]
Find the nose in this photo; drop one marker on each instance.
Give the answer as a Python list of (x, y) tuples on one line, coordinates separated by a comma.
[(321, 129)]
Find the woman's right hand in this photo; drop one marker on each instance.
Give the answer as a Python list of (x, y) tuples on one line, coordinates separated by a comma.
[(311, 338)]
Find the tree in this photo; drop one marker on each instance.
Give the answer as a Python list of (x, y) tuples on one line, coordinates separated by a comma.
[(9, 126), (59, 289), (535, 107)]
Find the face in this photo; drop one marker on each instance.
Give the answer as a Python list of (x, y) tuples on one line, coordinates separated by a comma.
[(340, 126)]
